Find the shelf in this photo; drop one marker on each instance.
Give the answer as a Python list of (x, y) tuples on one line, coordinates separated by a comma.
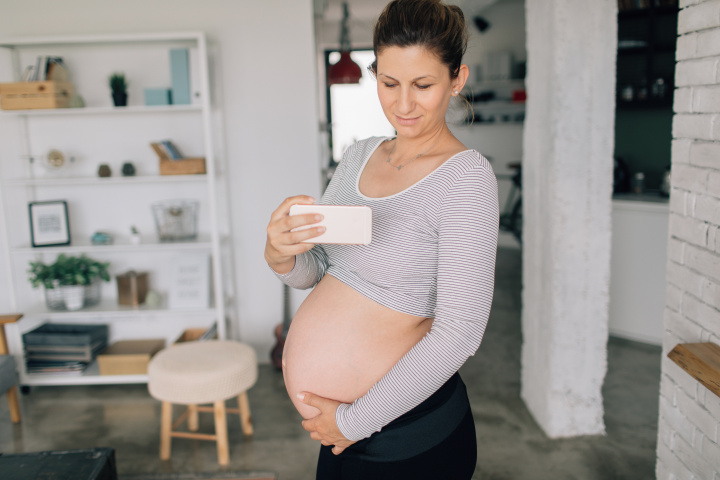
[(136, 109), (101, 181), (79, 247), (701, 361), (109, 308), (89, 376), (102, 39)]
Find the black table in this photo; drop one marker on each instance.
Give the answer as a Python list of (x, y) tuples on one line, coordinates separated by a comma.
[(90, 464)]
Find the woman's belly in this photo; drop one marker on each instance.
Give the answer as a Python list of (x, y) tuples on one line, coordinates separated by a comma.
[(340, 343)]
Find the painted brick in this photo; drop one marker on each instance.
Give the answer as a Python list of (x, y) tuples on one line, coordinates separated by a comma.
[(674, 465), (682, 100), (715, 128), (678, 422), (713, 237), (683, 381), (713, 184), (685, 278), (707, 209), (712, 404), (711, 293), (689, 229), (698, 126), (703, 314), (667, 391), (708, 43), (706, 99), (691, 458), (702, 261), (686, 46), (685, 331), (680, 150), (666, 433), (699, 17), (705, 154), (688, 177), (695, 72), (673, 297), (711, 452), (697, 416), (687, 3), (675, 250)]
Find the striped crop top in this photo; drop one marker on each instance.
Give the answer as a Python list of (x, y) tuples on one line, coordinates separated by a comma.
[(432, 255)]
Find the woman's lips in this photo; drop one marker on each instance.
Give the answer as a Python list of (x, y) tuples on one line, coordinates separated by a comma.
[(407, 121)]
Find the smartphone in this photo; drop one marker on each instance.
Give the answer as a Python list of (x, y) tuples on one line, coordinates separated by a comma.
[(345, 225)]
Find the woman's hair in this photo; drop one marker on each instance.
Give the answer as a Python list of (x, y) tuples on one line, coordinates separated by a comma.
[(430, 24)]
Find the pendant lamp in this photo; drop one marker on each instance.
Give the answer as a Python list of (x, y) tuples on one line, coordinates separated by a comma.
[(345, 70)]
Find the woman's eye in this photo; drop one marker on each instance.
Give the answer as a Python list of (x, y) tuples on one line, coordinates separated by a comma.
[(390, 85), (423, 87)]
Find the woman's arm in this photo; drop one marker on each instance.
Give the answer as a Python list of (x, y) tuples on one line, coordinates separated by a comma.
[(468, 229)]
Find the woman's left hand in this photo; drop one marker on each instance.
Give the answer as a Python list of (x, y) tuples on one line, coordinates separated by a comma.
[(323, 426)]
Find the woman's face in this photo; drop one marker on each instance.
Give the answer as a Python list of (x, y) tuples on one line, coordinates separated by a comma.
[(414, 88)]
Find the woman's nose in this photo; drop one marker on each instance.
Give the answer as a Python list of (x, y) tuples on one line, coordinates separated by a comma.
[(406, 102)]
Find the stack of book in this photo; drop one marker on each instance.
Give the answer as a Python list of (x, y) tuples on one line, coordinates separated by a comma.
[(54, 348), (46, 68)]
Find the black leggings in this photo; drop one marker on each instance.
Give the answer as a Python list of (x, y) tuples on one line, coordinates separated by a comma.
[(435, 440)]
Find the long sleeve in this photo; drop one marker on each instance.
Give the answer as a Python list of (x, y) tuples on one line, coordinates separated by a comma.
[(467, 244), (311, 266)]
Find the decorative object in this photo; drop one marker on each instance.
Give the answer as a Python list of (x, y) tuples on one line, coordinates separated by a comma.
[(158, 96), (35, 95), (132, 288), (128, 169), (190, 286), (104, 170), (128, 357), (176, 220), (345, 70), (69, 271), (101, 238), (180, 76), (153, 299), (134, 236), (55, 161), (118, 87), (172, 162), (49, 224), (76, 101)]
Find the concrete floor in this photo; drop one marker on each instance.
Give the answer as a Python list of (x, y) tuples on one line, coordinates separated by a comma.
[(511, 445)]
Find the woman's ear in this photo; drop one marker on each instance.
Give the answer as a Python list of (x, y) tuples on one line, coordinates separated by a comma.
[(461, 79)]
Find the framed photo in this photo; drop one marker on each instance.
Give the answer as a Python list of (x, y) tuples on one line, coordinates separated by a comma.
[(49, 224)]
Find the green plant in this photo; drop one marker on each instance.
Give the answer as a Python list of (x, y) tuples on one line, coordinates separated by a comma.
[(118, 84), (68, 270)]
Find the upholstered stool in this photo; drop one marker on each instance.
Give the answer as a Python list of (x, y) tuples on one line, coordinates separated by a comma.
[(196, 373)]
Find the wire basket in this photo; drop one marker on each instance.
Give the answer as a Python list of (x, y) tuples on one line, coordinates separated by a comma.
[(55, 297), (176, 220)]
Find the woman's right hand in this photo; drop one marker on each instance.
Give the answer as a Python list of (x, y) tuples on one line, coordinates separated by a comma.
[(282, 245)]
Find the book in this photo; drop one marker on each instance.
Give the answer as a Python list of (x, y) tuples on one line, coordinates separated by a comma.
[(180, 76), (174, 152), (160, 151)]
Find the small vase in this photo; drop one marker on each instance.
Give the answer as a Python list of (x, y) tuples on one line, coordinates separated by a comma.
[(74, 296), (120, 99)]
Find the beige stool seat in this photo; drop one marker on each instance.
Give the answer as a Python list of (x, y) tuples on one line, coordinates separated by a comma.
[(196, 373)]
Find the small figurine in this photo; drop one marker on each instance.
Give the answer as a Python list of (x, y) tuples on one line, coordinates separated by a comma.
[(153, 299), (104, 170), (128, 169)]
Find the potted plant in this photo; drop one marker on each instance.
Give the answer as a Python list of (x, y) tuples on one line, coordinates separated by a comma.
[(118, 87), (70, 282)]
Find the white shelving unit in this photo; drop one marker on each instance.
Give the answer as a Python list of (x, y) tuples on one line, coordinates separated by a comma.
[(101, 133)]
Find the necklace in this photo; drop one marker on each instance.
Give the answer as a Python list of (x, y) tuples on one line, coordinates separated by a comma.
[(399, 167)]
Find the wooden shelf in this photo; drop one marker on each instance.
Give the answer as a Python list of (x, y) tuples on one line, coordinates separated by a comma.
[(204, 243), (102, 181), (701, 361), (109, 308), (136, 109)]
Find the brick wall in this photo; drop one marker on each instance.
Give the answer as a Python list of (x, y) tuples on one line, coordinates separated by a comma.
[(689, 423)]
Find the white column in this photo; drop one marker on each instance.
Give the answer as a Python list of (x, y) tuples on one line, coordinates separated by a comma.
[(567, 186)]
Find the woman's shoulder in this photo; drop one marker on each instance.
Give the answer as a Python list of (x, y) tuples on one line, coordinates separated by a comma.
[(361, 149), (465, 161)]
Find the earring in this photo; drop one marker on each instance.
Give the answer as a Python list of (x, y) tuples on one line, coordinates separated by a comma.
[(455, 92)]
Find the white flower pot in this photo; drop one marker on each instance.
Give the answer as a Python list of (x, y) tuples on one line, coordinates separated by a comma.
[(73, 296)]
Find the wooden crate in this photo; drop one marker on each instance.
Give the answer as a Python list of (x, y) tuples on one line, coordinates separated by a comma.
[(35, 95), (128, 357), (183, 166)]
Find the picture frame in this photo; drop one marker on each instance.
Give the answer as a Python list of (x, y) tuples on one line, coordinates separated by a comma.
[(49, 223)]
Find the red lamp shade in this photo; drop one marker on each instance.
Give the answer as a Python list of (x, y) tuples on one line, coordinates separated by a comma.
[(344, 71)]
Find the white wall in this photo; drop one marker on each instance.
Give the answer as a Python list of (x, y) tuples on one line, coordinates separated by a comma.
[(689, 426), (264, 80)]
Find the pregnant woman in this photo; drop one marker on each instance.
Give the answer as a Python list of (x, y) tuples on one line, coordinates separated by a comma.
[(372, 355)]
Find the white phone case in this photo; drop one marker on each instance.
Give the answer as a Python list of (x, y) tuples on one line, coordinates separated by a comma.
[(347, 225)]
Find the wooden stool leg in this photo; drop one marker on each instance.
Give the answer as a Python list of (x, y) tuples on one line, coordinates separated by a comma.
[(165, 430), (245, 420), (193, 418), (14, 404), (221, 433)]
